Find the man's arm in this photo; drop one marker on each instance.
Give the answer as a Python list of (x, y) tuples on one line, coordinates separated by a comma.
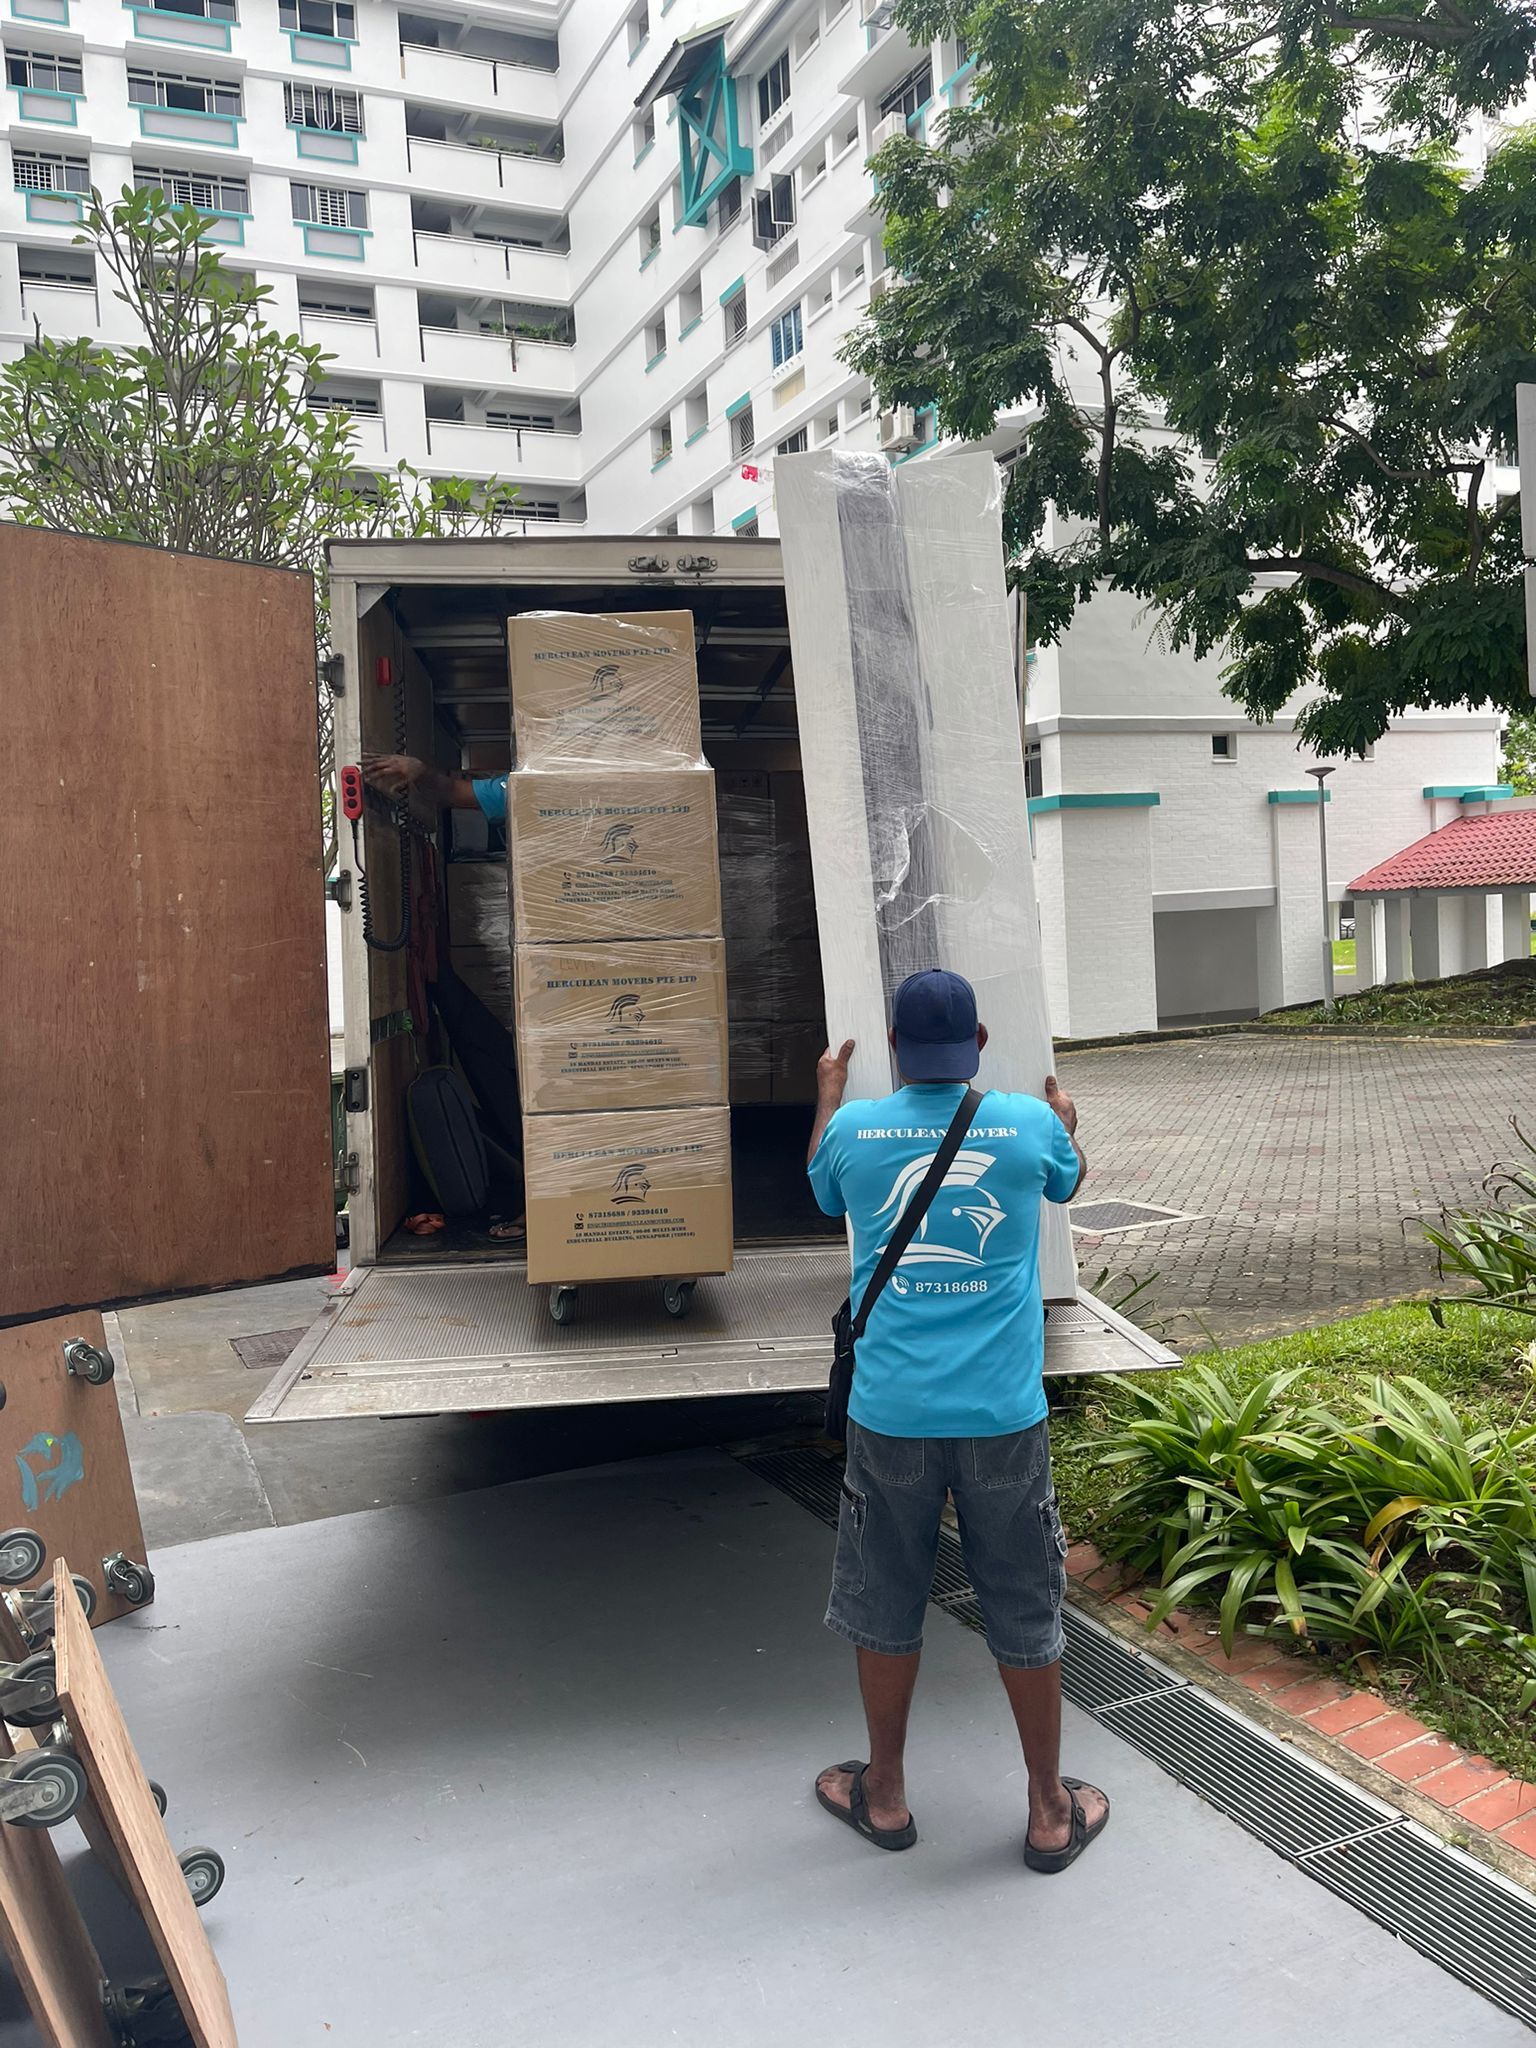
[(1058, 1099), (397, 774), (831, 1084)]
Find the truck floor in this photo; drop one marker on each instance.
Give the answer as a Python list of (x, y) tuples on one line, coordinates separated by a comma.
[(535, 1763)]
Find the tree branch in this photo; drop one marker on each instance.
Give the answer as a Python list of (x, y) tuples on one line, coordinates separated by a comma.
[(1308, 570)]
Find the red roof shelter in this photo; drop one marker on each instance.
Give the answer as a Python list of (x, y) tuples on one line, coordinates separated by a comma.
[(1496, 850)]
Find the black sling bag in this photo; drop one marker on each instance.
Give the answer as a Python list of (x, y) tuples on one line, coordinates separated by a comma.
[(848, 1328)]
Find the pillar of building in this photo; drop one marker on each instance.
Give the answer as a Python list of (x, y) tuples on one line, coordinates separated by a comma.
[(1395, 959), (1482, 930), (1514, 924), (1370, 942), (1093, 872), (1291, 932), (1438, 925)]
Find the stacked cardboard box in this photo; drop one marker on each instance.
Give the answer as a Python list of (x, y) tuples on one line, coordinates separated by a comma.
[(620, 993)]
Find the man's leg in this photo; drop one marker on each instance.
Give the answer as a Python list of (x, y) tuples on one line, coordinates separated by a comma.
[(1035, 1697), (886, 1685)]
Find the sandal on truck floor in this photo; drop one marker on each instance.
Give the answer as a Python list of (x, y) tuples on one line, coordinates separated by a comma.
[(856, 1813)]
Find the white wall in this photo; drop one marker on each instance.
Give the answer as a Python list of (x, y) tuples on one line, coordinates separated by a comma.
[(1207, 963)]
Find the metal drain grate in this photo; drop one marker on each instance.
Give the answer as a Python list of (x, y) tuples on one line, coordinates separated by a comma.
[(1101, 1219), (1463, 1917)]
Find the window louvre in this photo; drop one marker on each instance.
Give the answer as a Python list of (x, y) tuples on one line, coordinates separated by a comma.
[(330, 206), (335, 109), (743, 432), (788, 336), (735, 310), (206, 190)]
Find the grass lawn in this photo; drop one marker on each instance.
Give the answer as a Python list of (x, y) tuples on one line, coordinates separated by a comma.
[(1343, 956), (1475, 1362), (1459, 1006)]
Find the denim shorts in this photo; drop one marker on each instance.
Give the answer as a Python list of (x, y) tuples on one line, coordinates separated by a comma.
[(894, 1491)]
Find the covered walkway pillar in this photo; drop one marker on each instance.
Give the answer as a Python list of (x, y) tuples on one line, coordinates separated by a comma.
[(1515, 924), (1395, 947), (1438, 925), (1370, 942)]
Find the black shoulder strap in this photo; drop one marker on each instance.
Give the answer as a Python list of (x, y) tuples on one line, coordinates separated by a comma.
[(917, 1208)]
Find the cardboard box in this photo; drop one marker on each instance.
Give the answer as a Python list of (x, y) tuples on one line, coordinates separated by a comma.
[(628, 1195), (621, 1026), (614, 856), (617, 690)]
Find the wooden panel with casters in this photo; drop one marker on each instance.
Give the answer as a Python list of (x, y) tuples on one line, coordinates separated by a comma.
[(64, 1472), (131, 1817), (165, 1090)]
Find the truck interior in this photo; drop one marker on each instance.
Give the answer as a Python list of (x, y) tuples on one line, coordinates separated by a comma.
[(448, 1320)]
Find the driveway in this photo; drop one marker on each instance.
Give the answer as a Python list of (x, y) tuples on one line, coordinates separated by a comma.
[(1300, 1164)]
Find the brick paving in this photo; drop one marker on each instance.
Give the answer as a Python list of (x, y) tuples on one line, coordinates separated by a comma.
[(1300, 1160)]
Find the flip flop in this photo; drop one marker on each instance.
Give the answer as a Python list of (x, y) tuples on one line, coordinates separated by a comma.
[(856, 1813), (1049, 1861)]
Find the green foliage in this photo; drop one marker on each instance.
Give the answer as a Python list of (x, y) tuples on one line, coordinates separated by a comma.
[(1490, 997), (1493, 1247), (1386, 1529), (1264, 325), (1520, 753)]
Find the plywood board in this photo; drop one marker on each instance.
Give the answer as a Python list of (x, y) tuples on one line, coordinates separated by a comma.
[(914, 779), (127, 1807), (64, 1470), (165, 1087), (47, 1943)]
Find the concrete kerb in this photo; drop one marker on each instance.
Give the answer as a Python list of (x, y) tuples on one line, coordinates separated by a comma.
[(1285, 1727), (1255, 1027)]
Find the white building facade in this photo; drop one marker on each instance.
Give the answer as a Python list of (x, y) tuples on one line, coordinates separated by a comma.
[(608, 254)]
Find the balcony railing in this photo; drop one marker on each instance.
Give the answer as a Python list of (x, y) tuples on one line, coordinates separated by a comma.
[(66, 311), (467, 81), (350, 337), (547, 456), (466, 357), (475, 171), (536, 274)]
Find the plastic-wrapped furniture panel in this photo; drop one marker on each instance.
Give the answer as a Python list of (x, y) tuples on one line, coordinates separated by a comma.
[(914, 769)]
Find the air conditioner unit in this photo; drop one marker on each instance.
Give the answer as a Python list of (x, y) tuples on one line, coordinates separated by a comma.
[(886, 131), (898, 428), (876, 13)]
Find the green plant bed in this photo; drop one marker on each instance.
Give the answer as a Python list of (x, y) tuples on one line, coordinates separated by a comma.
[(1492, 997), (1365, 1492)]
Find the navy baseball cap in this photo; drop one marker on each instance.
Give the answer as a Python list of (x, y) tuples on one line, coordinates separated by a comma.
[(933, 1015)]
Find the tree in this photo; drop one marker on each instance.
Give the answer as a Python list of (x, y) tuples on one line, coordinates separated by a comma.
[(1520, 753), (1264, 320), (203, 436)]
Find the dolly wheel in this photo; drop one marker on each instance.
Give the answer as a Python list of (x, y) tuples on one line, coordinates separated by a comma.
[(58, 1785), (677, 1297), (132, 1582), (23, 1554), (562, 1304), (86, 1362), (204, 1871)]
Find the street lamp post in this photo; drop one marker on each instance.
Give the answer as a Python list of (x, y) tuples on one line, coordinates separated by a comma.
[(1320, 776)]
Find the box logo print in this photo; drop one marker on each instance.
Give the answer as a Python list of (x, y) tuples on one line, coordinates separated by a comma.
[(624, 1012), (619, 845), (630, 1183), (606, 681)]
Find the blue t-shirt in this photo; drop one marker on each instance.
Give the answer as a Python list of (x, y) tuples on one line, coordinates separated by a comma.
[(491, 796), (955, 1345)]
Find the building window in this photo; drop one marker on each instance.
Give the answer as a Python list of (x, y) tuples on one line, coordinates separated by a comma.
[(813, 168), (520, 422), (809, 39), (826, 428), (773, 212), (650, 236), (329, 206), (696, 413), (1223, 746), (795, 443), (743, 433), (43, 71), (636, 30), (728, 205), (343, 401), (184, 95), (735, 311), (207, 191), (911, 92), (43, 170), (773, 88), (333, 302), (334, 18), (788, 336), (656, 339), (334, 109), (661, 441), (748, 529), (1034, 770), (204, 10), (690, 305), (643, 130)]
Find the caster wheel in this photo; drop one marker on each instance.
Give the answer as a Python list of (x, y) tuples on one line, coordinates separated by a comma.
[(161, 1801), (677, 1297), (22, 1556), (57, 1783), (145, 2015), (86, 1363), (204, 1871), (562, 1304), (38, 1606), (28, 1698), (132, 1582)]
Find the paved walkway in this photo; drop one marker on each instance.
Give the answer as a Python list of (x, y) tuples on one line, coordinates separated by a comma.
[(1300, 1161)]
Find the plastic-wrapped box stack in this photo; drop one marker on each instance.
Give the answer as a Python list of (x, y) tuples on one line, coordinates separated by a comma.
[(619, 962), (768, 902)]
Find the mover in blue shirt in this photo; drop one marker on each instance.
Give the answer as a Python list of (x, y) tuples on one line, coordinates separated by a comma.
[(445, 791), (948, 1400)]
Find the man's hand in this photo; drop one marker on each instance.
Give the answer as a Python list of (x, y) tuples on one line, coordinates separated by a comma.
[(832, 1073), (395, 774), (1058, 1099)]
